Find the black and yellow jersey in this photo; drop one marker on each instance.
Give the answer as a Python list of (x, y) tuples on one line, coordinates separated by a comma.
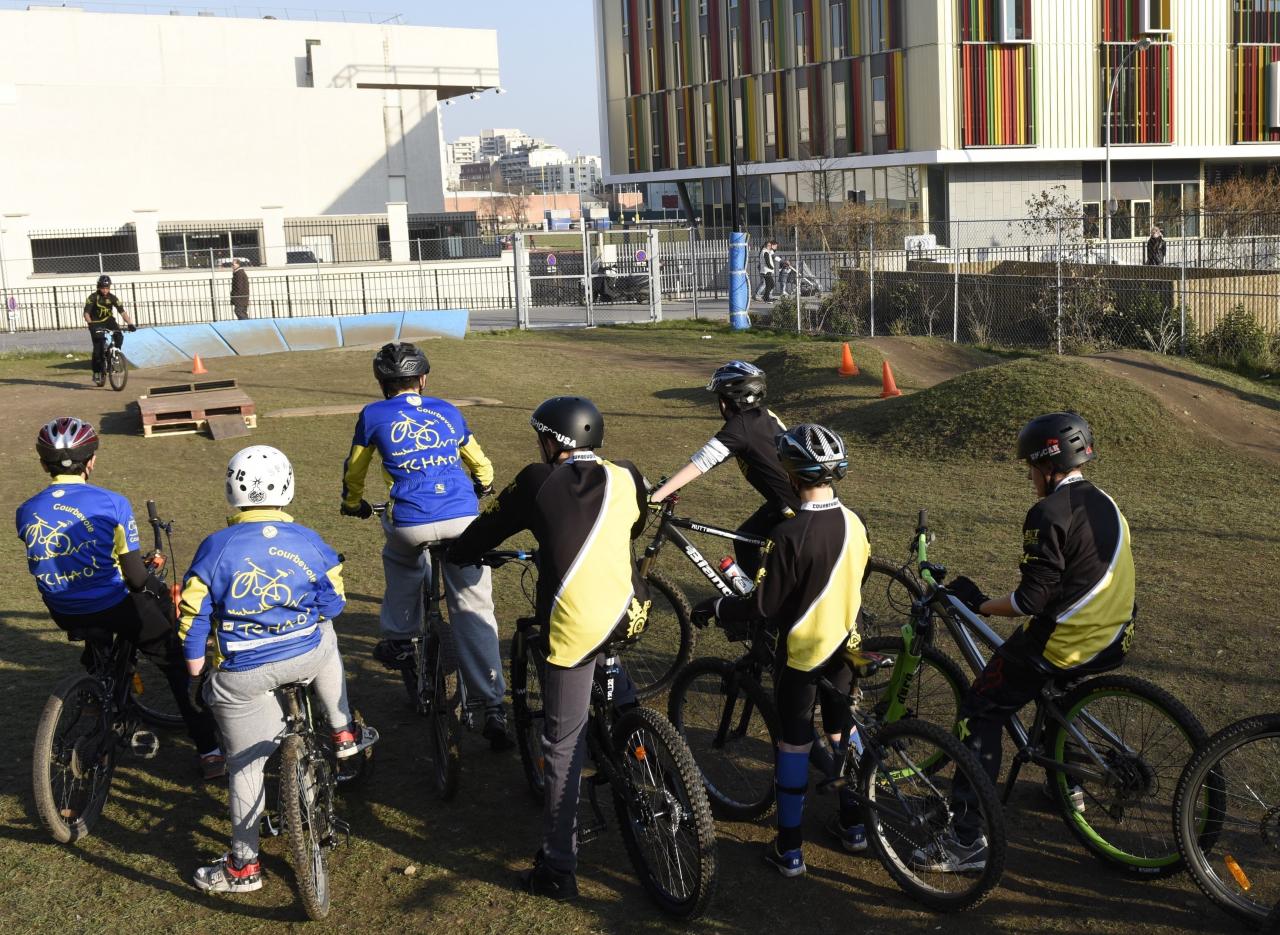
[(584, 512), (810, 585), (1077, 575), (101, 309), (750, 437)]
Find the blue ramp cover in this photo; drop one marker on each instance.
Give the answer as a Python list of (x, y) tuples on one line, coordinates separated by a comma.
[(445, 323), (310, 334), (146, 347), (195, 339), (251, 337), (370, 329)]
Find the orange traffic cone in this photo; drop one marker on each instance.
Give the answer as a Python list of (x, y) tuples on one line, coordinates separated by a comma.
[(890, 388), (847, 367), (197, 366)]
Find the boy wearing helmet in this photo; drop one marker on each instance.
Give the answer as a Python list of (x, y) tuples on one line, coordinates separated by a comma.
[(748, 435), (584, 512), (809, 590), (99, 315), (437, 472), (83, 550), (1077, 586), (267, 590)]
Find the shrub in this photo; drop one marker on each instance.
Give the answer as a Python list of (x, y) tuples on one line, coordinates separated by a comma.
[(1238, 342)]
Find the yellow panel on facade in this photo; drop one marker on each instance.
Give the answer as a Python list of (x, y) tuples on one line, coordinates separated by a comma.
[(1065, 33), (1203, 83)]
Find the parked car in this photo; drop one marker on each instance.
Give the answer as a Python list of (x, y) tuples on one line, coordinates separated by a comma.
[(300, 255)]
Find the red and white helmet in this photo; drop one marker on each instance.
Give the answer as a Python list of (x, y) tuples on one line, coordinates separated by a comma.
[(259, 476), (66, 441)]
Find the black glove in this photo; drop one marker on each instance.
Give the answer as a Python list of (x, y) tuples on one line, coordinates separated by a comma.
[(195, 690), (704, 612), (131, 328), (363, 511), (968, 593), (482, 490)]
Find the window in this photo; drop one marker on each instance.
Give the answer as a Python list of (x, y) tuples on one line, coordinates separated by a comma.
[(799, 40), (708, 131), (648, 14), (626, 74), (702, 7), (1141, 218), (705, 60), (735, 65), (739, 136), (675, 12), (1010, 21), (1153, 16), (879, 115), (1122, 221), (678, 60), (652, 69), (1091, 220), (802, 113), (840, 106), (876, 26), (770, 127), (837, 30), (626, 19), (766, 45)]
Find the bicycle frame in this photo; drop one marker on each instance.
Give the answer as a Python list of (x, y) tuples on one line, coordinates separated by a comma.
[(669, 526)]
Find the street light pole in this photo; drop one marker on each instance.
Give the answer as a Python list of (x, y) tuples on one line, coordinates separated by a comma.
[(733, 123), (1140, 46)]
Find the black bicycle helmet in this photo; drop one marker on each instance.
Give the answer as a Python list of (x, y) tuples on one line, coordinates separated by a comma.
[(1061, 439), (104, 281), (739, 382), (569, 422), (66, 441), (400, 362), (812, 455)]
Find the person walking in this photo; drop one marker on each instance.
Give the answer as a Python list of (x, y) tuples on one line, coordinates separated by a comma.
[(766, 266), (1156, 247), (239, 290)]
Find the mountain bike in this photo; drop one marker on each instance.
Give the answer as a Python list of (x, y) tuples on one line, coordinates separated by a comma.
[(1228, 819), (88, 718), (661, 808), (310, 776), (113, 362), (1113, 746), (902, 778)]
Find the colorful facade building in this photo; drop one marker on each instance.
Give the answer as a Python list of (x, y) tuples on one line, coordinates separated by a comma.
[(947, 109)]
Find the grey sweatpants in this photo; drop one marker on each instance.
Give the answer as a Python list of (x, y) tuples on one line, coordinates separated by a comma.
[(251, 721), (566, 704), (468, 592)]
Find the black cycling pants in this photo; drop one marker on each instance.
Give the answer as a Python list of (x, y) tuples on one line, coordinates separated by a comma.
[(796, 695), (99, 334), (757, 525), (145, 619)]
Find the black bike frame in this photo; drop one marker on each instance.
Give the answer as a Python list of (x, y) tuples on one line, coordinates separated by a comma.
[(669, 529)]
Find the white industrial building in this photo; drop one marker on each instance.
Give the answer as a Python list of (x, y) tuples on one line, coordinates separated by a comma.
[(143, 128)]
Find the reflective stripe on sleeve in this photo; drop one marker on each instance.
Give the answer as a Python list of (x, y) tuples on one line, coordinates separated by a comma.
[(709, 455)]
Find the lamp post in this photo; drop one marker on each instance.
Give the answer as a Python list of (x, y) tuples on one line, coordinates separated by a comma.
[(1140, 46), (733, 123)]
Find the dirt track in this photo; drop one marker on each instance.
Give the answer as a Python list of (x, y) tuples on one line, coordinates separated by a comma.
[(920, 362)]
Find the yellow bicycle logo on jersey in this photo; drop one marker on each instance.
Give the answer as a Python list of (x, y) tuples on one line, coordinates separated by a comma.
[(51, 539), (420, 433), (268, 589)]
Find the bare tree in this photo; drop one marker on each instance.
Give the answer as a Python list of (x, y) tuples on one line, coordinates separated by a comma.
[(826, 183)]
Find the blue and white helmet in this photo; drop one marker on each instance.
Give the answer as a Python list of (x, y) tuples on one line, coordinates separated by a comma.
[(812, 455), (739, 381), (259, 476)]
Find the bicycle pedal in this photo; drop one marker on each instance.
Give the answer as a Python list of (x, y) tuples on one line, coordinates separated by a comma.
[(589, 833), (144, 744)]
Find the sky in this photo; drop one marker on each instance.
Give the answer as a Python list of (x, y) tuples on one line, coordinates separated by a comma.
[(546, 57)]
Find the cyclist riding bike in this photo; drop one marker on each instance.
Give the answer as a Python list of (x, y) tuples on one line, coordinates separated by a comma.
[(267, 589), (809, 590), (99, 315), (748, 435), (83, 550), (584, 512), (437, 472), (1077, 587)]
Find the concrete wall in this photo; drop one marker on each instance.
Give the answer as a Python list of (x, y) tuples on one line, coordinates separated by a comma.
[(203, 118), (998, 192)]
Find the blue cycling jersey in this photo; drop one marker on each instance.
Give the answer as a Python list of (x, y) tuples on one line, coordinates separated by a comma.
[(74, 534), (429, 458), (262, 586)]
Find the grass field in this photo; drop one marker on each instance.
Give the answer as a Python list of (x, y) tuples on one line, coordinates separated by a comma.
[(1204, 521)]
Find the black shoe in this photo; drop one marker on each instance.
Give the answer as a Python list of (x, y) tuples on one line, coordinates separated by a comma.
[(495, 730), (542, 880), (394, 654), (99, 379)]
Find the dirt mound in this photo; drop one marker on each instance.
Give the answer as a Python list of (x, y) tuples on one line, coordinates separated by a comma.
[(925, 362), (978, 414), (1247, 422)]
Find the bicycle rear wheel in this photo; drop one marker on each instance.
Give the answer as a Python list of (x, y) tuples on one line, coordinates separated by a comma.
[(438, 657), (729, 725), (305, 806), (1145, 737), (527, 670), (1228, 818), (117, 370), (663, 813), (934, 694), (887, 593), (74, 758), (667, 641), (908, 774)]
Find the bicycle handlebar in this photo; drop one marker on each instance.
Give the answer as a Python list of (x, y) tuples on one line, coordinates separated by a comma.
[(499, 558)]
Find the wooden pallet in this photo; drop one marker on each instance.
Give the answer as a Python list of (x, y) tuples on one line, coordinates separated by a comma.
[(186, 409)]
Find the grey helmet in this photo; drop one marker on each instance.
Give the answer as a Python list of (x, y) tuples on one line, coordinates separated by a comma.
[(739, 382), (1060, 439), (812, 455)]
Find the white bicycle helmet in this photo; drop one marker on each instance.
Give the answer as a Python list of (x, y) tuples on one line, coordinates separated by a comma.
[(259, 476)]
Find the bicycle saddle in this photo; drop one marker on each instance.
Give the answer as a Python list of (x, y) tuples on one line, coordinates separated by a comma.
[(865, 664), (1050, 671), (91, 635)]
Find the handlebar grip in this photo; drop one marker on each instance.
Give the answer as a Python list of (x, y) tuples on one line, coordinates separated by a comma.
[(923, 521), (152, 513)]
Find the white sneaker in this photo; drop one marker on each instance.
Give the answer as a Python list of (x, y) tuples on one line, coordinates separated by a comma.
[(947, 855)]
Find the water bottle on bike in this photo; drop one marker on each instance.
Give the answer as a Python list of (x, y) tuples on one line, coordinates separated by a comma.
[(737, 578)]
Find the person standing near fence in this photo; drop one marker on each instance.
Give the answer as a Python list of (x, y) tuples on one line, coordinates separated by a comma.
[(1156, 247), (239, 290), (766, 266)]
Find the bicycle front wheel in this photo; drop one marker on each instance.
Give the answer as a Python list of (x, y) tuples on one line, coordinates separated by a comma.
[(730, 726), (117, 370), (1228, 818), (935, 692), (74, 758), (887, 593), (667, 641), (663, 814), (304, 804), (909, 775), (527, 671), (444, 729), (1144, 737)]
